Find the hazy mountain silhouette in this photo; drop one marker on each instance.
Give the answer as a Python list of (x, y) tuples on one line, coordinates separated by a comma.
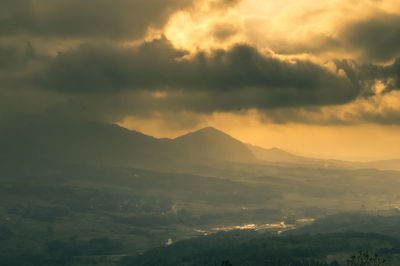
[(393, 164), (212, 144), (277, 155), (68, 141), (79, 142), (100, 143)]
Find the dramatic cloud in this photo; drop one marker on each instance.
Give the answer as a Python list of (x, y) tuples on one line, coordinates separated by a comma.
[(368, 74), (108, 82), (241, 72), (378, 37), (14, 57), (366, 31), (298, 62), (121, 19)]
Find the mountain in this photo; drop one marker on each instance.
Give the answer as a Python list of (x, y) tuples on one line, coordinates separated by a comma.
[(382, 165), (212, 144), (108, 144), (79, 142), (277, 155), (40, 140)]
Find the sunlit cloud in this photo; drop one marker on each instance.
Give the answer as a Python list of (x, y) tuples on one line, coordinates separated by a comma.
[(181, 64)]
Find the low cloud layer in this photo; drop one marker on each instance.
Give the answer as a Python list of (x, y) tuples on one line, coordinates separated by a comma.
[(157, 65), (222, 80), (117, 19)]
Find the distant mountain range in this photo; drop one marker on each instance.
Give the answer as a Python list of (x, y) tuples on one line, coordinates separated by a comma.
[(100, 143), (280, 156)]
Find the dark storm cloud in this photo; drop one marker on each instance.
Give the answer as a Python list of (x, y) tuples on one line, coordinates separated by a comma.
[(237, 78), (377, 37), (102, 79), (106, 81), (367, 74), (121, 19), (15, 56), (109, 67)]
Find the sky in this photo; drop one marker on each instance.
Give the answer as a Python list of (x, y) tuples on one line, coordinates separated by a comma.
[(317, 78)]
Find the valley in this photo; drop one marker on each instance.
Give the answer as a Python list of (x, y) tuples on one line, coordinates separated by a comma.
[(100, 209)]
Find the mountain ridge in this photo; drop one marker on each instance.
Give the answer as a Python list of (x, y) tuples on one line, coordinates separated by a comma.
[(112, 144), (101, 143)]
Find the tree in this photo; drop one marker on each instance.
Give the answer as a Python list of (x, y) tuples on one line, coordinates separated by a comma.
[(364, 259), (226, 263)]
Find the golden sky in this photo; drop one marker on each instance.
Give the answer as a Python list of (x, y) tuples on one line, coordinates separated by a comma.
[(318, 78), (292, 29)]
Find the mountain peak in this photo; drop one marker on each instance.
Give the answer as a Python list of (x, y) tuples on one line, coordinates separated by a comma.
[(212, 143), (210, 130)]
